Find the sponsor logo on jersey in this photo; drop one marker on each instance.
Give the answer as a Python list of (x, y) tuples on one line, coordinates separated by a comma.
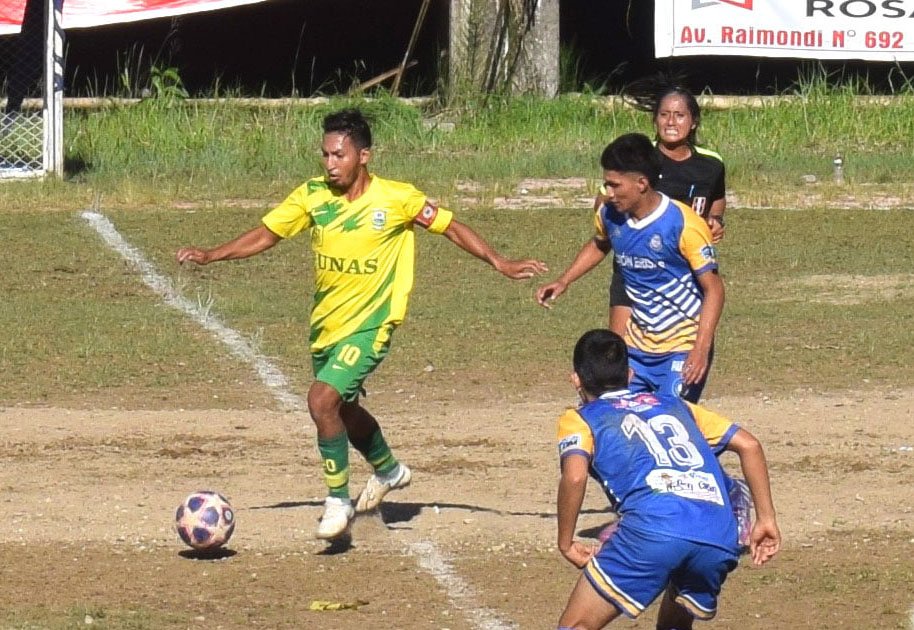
[(345, 265), (640, 402), (634, 262), (570, 442), (427, 216), (700, 205), (378, 218), (689, 484)]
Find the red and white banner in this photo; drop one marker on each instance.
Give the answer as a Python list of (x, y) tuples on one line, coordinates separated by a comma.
[(86, 13), (11, 12), (878, 30)]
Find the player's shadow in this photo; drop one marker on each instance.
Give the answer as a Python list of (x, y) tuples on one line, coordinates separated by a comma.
[(337, 546), (207, 554), (394, 512)]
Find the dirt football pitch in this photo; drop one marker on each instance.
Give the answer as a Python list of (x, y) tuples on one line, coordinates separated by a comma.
[(88, 498), (90, 476)]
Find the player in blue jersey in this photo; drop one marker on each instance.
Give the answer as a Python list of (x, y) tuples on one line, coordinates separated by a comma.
[(689, 172), (665, 254), (658, 469)]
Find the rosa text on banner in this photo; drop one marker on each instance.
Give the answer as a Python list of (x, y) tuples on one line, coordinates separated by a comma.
[(876, 30)]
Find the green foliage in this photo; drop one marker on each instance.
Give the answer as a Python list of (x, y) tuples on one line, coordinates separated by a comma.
[(209, 150), (166, 85)]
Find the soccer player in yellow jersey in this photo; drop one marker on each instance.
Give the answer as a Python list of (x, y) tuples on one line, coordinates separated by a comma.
[(362, 235)]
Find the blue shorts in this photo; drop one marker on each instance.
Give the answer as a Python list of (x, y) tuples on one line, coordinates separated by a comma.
[(633, 568), (662, 373)]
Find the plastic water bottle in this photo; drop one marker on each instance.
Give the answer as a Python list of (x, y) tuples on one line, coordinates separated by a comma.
[(838, 163)]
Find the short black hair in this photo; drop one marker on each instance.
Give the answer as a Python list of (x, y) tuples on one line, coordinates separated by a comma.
[(632, 153), (352, 123), (601, 361)]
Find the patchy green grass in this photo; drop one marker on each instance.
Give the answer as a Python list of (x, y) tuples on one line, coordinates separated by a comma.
[(816, 299)]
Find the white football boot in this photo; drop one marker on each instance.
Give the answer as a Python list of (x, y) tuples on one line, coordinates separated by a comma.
[(338, 513), (379, 485)]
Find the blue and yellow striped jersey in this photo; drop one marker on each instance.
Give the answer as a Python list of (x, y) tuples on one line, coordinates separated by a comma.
[(364, 251), (654, 458), (660, 258)]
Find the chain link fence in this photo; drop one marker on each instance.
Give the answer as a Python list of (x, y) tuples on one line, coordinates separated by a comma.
[(24, 119)]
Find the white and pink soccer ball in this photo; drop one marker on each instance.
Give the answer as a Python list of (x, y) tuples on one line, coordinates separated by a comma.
[(205, 520)]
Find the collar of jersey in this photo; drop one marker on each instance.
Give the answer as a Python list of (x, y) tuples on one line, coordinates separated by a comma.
[(618, 393), (655, 214)]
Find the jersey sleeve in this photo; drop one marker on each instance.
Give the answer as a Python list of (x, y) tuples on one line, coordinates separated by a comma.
[(574, 435), (599, 225), (719, 188), (717, 429), (291, 216), (425, 213), (695, 242)]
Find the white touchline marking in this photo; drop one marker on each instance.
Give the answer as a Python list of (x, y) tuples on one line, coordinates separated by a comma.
[(460, 594), (268, 373)]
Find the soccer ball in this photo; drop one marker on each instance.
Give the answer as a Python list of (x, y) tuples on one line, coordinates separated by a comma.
[(205, 520)]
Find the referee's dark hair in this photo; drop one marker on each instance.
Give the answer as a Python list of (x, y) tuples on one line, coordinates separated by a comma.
[(352, 123), (632, 153), (601, 361)]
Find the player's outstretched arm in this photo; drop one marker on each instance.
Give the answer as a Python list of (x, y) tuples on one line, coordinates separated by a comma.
[(572, 486), (765, 538), (248, 244), (464, 237), (590, 255)]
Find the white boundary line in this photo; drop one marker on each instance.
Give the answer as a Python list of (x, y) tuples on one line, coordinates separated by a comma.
[(459, 593), (239, 346), (429, 558)]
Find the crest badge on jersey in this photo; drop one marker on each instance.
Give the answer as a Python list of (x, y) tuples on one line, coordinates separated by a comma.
[(700, 205), (656, 243), (379, 218), (708, 253), (570, 443), (427, 215)]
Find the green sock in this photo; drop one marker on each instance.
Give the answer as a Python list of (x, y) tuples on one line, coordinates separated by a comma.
[(377, 452), (335, 455)]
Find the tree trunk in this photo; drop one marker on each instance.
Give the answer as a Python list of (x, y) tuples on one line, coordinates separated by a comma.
[(503, 47)]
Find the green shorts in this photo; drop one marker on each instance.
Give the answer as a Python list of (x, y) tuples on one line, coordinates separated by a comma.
[(345, 365)]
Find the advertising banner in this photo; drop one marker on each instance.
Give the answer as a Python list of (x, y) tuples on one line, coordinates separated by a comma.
[(877, 30), (86, 13), (11, 13)]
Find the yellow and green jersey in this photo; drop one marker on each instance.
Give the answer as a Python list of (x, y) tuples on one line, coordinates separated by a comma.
[(364, 251)]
